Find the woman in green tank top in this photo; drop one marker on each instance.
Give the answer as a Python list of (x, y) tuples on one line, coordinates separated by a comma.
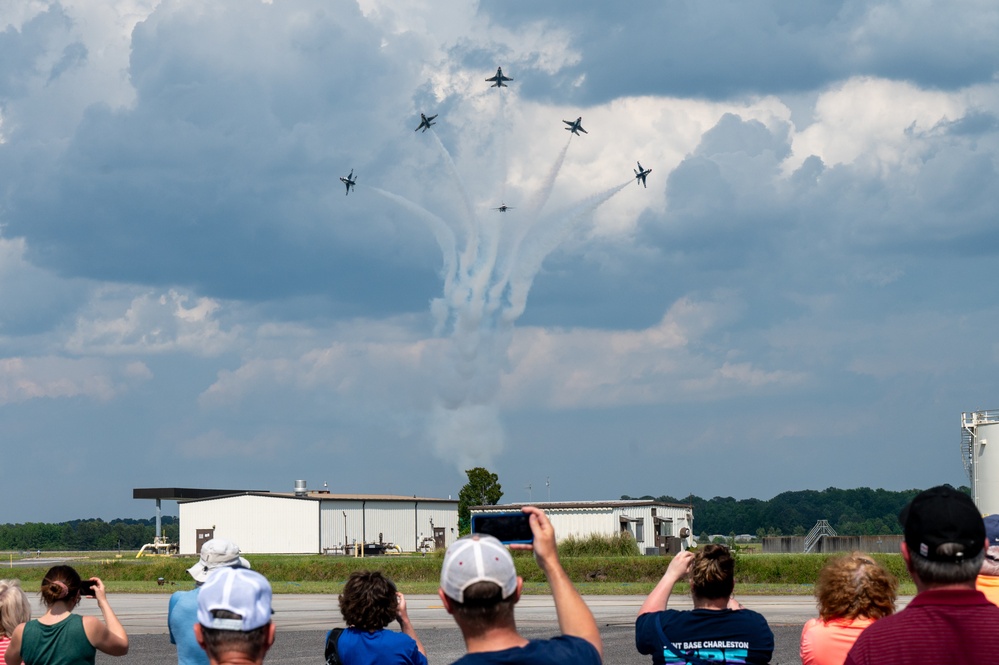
[(60, 637)]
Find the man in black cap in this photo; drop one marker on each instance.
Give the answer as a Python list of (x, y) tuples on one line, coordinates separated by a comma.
[(948, 621)]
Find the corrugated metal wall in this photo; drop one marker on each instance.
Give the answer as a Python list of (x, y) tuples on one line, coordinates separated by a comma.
[(583, 521), (402, 523), (257, 524)]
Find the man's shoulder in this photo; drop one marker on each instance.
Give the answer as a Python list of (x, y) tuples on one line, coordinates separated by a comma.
[(931, 609), (184, 598), (560, 649)]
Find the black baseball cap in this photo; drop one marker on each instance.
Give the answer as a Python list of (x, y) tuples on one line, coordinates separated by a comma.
[(941, 515)]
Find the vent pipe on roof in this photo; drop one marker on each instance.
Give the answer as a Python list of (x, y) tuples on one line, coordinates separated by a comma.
[(300, 488)]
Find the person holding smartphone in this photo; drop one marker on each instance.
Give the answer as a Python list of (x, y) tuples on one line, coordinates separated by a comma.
[(480, 586), (60, 637), (369, 604)]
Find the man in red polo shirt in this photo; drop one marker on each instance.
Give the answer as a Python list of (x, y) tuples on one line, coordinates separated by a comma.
[(948, 621)]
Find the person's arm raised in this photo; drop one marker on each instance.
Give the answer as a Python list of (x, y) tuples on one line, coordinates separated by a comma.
[(574, 617), (109, 635), (657, 600), (407, 626)]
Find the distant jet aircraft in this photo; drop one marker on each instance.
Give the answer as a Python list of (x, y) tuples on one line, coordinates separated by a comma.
[(497, 81), (350, 181), (575, 127), (503, 207), (425, 122), (641, 174)]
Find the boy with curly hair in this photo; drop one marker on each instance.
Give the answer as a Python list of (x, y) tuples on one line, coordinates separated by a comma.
[(369, 603)]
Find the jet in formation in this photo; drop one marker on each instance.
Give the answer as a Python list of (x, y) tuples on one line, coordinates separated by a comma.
[(641, 174), (575, 127), (350, 181), (425, 122), (497, 81), (503, 207)]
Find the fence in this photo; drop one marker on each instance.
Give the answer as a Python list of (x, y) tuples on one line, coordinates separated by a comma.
[(827, 544)]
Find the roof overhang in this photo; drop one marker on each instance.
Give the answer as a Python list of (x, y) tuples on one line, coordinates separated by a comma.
[(181, 493)]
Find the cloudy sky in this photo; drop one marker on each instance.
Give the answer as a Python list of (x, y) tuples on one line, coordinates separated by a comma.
[(803, 297)]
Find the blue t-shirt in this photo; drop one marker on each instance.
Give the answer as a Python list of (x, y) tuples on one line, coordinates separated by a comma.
[(182, 616), (716, 636), (556, 651), (359, 647)]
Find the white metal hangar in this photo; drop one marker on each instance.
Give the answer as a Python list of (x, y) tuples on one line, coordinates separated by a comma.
[(657, 527), (310, 522)]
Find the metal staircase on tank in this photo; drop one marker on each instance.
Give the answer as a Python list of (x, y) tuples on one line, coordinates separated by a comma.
[(969, 434), (821, 528)]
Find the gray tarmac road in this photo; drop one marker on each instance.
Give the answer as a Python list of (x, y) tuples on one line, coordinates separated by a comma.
[(302, 620), (444, 645)]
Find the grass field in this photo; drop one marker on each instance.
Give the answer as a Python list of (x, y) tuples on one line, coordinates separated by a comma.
[(756, 574)]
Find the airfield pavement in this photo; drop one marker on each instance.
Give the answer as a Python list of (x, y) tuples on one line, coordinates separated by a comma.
[(302, 620)]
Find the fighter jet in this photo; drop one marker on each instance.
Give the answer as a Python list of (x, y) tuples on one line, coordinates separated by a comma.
[(350, 181), (641, 174), (575, 127), (503, 207), (497, 81), (425, 122)]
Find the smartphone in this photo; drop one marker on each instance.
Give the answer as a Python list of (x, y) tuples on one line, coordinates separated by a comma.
[(87, 588), (506, 527)]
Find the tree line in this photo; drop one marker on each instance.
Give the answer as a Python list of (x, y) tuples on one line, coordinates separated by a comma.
[(852, 512), (85, 534)]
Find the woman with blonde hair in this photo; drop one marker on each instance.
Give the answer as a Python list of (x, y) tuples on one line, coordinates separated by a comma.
[(15, 609), (60, 637), (717, 630), (852, 592)]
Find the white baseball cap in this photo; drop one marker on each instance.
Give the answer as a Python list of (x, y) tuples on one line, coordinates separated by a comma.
[(237, 590), (477, 558)]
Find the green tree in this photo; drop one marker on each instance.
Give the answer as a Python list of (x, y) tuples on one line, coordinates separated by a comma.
[(482, 489)]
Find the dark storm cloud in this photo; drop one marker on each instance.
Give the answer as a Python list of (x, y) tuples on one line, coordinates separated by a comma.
[(223, 174), (721, 49)]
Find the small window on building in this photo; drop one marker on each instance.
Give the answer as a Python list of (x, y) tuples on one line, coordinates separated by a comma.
[(640, 530), (666, 528)]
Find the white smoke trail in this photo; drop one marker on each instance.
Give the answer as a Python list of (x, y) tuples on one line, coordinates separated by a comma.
[(470, 226), (540, 245), (532, 212), (442, 233), (537, 204), (486, 284), (504, 166)]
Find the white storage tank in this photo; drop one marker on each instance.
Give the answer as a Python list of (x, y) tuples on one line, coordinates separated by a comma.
[(980, 453)]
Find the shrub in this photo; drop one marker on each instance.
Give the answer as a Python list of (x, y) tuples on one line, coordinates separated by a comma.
[(621, 544)]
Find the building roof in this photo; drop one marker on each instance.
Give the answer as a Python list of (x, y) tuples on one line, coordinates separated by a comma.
[(328, 496), (624, 503), (180, 493), (194, 494)]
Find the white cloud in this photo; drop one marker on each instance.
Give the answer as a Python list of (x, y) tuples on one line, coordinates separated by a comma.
[(151, 324), (876, 121), (24, 379)]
